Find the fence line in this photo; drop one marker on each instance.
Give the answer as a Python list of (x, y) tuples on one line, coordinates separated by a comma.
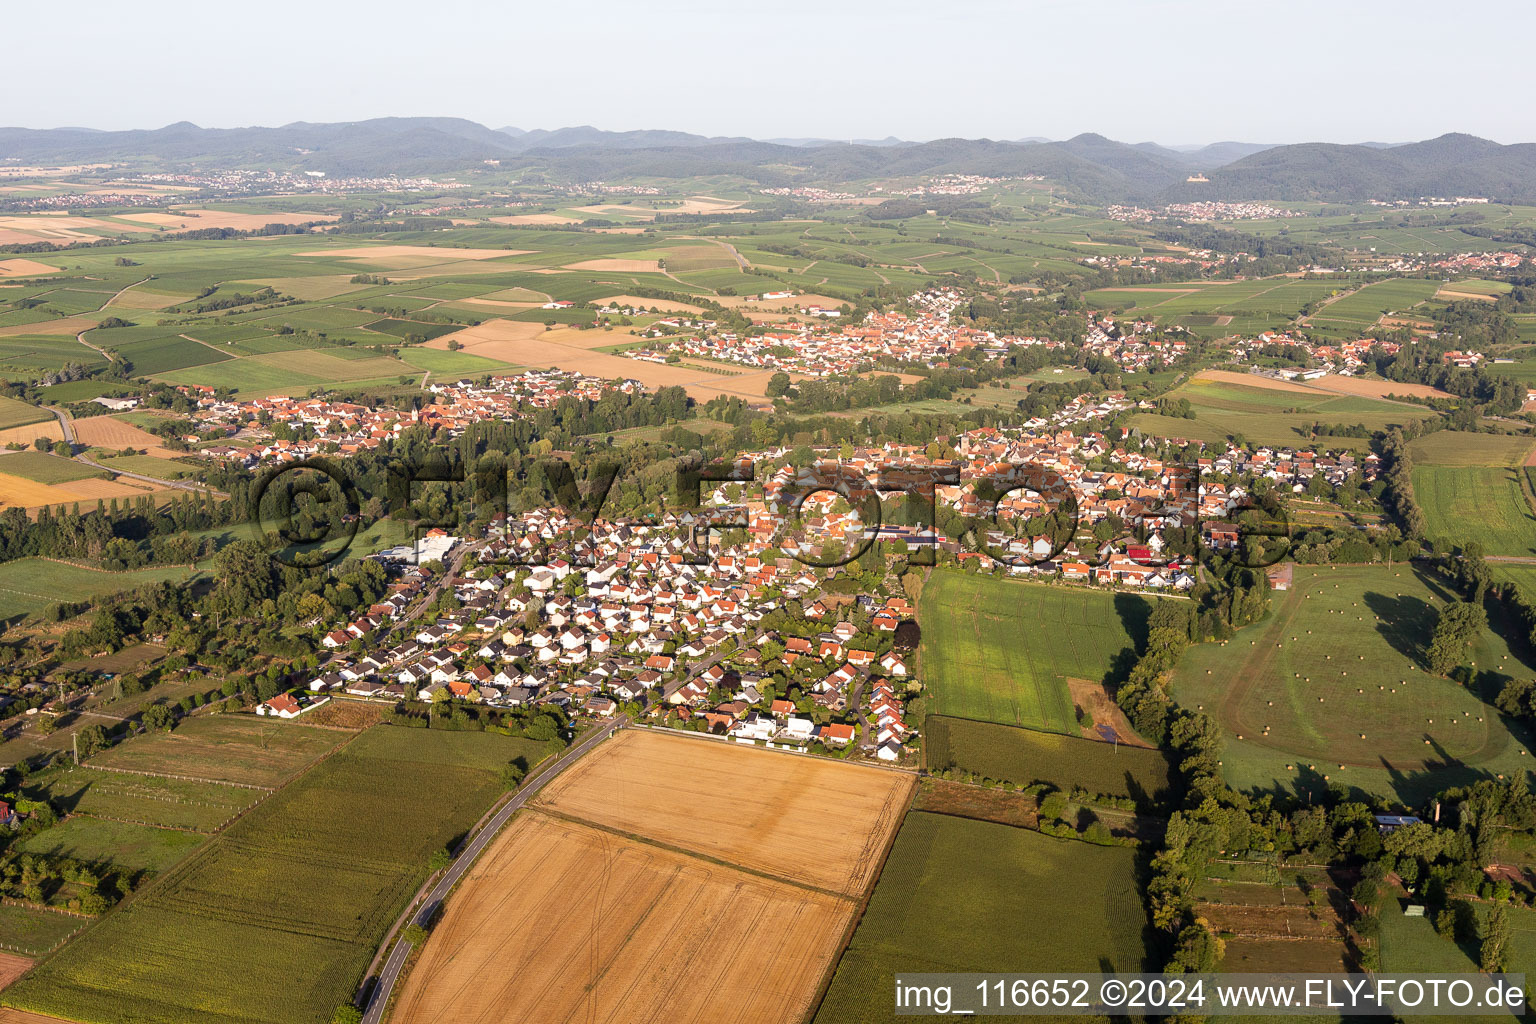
[(184, 778)]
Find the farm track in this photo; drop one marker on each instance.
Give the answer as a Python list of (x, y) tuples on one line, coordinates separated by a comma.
[(66, 423)]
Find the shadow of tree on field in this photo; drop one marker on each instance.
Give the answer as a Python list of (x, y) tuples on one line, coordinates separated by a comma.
[(1405, 622)]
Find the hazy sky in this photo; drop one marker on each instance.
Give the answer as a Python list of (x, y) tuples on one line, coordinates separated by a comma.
[(1172, 71)]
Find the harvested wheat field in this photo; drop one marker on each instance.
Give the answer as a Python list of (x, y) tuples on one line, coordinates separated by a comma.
[(10, 1016), (16, 491), (1252, 380), (24, 268), (410, 257), (530, 344), (533, 218), (31, 432), (627, 877), (501, 303), (134, 298), (1376, 388), (19, 491), (107, 432), (192, 220), (620, 266), (64, 325), (640, 303), (757, 808), (562, 922)]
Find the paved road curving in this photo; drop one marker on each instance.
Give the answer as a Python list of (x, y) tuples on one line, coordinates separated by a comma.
[(378, 999), (67, 425)]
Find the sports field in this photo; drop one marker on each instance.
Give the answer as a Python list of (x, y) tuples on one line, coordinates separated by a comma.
[(1481, 503), (1332, 684), (963, 895), (683, 858), (1002, 650)]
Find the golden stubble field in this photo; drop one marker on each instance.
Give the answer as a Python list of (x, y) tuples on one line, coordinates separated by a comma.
[(807, 820), (524, 343), (663, 879)]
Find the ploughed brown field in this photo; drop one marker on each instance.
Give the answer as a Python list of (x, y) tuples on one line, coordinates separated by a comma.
[(662, 879)]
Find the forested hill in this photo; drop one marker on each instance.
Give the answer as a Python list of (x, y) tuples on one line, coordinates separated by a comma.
[(1096, 167), (1450, 165)]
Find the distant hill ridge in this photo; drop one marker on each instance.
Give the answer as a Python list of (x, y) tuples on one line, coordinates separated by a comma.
[(1099, 168)]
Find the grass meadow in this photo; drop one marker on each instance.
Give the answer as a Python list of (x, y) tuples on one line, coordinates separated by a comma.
[(29, 585), (149, 800), (955, 895), (1332, 685), (1460, 448), (1025, 756), (1477, 503), (126, 845), (240, 749), (1002, 650)]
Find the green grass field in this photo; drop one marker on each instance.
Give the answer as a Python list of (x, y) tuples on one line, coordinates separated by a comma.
[(16, 413), (1411, 944), (34, 932), (29, 585), (224, 748), (1460, 448), (1024, 756), (1002, 650), (147, 465), (446, 364), (957, 895), (45, 468), (1272, 416), (1335, 675), (1465, 503), (1364, 307), (124, 845), (170, 803), (274, 921)]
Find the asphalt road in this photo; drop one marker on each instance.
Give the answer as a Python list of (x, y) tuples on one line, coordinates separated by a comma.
[(379, 998), (67, 425)]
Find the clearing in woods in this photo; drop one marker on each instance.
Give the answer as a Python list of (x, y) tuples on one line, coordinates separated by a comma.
[(658, 860)]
